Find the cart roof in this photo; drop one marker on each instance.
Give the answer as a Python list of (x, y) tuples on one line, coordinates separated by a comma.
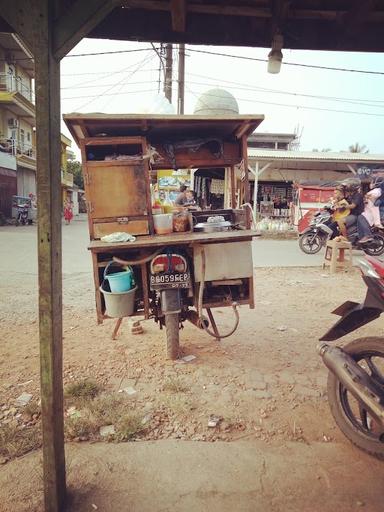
[(160, 126)]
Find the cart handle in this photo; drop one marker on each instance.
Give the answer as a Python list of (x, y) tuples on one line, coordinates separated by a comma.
[(137, 262)]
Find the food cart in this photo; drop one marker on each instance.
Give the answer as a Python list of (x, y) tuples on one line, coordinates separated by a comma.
[(178, 275)]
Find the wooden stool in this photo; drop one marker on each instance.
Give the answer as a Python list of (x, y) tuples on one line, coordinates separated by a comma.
[(338, 255)]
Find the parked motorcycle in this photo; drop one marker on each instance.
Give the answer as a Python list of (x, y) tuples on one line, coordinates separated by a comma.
[(170, 280), (22, 215), (356, 371), (323, 228)]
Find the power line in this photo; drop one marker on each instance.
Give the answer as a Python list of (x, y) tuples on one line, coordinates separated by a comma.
[(140, 64), (353, 101), (362, 102), (243, 57), (328, 68), (107, 94), (263, 89), (92, 80), (92, 54), (304, 107)]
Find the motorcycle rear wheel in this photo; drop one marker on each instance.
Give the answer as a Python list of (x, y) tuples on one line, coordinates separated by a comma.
[(311, 243), (352, 419), (377, 249), (172, 335)]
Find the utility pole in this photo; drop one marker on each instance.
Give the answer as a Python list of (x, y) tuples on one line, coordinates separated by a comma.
[(181, 79), (168, 72)]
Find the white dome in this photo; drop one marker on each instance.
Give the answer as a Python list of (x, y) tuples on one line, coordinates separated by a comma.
[(216, 102)]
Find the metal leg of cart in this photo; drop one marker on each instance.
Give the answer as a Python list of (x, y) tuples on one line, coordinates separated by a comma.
[(116, 329), (213, 323)]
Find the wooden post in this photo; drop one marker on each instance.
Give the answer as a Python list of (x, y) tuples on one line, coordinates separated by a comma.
[(244, 156), (233, 187), (168, 72), (49, 262), (181, 80)]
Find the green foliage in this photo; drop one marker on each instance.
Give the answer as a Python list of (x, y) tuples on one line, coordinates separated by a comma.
[(358, 148), (74, 167), (83, 389)]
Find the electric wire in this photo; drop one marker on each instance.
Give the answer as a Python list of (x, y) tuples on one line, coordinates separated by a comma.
[(304, 107), (286, 63), (220, 54), (105, 93)]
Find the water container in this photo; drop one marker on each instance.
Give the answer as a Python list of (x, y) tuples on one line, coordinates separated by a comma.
[(119, 281), (163, 223)]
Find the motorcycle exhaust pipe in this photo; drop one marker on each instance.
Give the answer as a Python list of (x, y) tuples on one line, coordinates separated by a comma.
[(193, 317), (354, 378)]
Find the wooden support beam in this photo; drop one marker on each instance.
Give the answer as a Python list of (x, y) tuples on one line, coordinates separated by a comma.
[(47, 71), (254, 12), (243, 128), (357, 15), (47, 79), (78, 21), (179, 14), (18, 13)]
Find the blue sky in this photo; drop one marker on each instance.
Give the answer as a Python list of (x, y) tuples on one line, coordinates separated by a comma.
[(128, 82)]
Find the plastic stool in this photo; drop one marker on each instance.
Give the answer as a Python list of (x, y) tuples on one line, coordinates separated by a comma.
[(338, 255)]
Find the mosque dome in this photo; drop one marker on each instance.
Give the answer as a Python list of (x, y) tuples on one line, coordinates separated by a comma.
[(216, 102)]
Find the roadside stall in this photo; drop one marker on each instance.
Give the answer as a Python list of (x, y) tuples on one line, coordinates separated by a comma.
[(175, 263), (309, 198)]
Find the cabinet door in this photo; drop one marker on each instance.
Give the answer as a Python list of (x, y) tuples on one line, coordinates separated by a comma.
[(116, 190)]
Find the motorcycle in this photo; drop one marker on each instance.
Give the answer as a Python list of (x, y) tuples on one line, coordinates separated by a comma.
[(170, 282), (356, 371), (22, 215), (323, 228)]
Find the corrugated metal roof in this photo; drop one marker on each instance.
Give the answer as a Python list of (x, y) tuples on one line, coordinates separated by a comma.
[(305, 156)]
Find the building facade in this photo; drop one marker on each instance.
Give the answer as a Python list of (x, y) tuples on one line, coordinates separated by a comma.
[(17, 121), (17, 127)]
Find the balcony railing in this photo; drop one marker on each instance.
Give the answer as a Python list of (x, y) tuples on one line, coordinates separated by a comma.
[(15, 148), (12, 83), (66, 178)]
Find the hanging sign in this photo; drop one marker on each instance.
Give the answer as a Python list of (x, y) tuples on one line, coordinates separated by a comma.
[(364, 171)]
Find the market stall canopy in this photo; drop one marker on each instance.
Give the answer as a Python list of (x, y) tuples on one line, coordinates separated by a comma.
[(315, 160), (160, 127), (342, 25)]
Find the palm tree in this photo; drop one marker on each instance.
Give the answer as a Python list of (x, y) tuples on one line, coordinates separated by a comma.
[(356, 148)]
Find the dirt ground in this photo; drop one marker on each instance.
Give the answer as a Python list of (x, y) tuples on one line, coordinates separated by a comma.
[(266, 383)]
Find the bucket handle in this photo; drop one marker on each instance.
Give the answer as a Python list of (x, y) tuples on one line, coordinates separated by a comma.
[(108, 266)]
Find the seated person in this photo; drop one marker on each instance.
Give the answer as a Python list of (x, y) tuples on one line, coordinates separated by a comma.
[(181, 199), (341, 210), (356, 205), (190, 198)]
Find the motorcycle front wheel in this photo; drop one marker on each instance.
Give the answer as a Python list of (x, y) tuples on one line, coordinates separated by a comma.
[(351, 417), (311, 242)]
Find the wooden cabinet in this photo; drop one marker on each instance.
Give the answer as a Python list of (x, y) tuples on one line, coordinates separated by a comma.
[(117, 186)]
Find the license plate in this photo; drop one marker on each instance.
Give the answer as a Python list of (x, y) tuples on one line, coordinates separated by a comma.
[(166, 281)]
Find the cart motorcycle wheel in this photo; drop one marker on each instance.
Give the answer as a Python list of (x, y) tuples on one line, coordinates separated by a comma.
[(172, 335), (353, 420)]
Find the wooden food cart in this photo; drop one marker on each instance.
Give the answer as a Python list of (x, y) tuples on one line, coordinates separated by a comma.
[(121, 155)]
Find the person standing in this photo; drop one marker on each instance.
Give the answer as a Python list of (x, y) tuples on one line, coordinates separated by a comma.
[(68, 211)]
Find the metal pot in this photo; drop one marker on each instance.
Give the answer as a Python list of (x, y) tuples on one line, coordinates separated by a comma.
[(211, 227)]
